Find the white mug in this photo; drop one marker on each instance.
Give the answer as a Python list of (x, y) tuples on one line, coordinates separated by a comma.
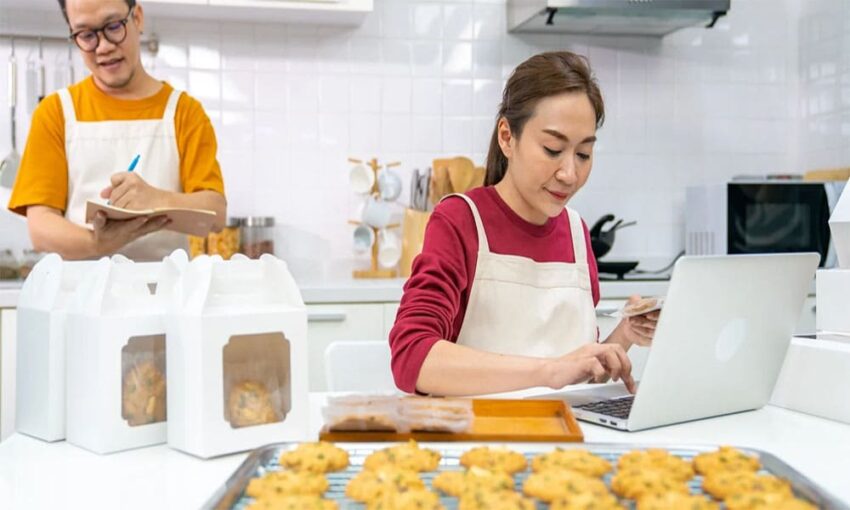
[(389, 184), (361, 179), (376, 213), (389, 249), (364, 238)]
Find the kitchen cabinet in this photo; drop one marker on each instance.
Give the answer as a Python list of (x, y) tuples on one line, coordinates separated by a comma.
[(328, 323), (8, 330), (341, 12)]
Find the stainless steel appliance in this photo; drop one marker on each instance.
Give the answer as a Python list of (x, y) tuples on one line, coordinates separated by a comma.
[(761, 216)]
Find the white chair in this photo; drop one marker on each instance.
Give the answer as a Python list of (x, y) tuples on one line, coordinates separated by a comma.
[(359, 366)]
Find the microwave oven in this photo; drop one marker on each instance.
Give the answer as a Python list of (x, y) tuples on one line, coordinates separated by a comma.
[(761, 216)]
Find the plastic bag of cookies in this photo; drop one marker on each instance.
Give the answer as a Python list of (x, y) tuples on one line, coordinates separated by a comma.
[(430, 414), (362, 413), (143, 388), (253, 394)]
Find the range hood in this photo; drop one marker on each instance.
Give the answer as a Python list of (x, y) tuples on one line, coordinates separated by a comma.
[(612, 17)]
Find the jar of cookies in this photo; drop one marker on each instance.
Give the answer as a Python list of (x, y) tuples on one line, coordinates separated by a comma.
[(197, 246), (258, 236), (226, 243)]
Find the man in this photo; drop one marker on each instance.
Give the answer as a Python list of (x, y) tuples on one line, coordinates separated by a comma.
[(83, 139)]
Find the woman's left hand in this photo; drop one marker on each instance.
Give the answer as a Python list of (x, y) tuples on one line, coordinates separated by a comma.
[(639, 329)]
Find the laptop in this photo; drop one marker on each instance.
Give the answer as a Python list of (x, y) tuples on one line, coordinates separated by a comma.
[(719, 344)]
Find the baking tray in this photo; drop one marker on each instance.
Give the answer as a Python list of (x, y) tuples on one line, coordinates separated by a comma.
[(231, 494), (494, 420)]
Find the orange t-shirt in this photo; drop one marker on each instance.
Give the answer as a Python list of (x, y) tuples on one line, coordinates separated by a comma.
[(43, 175)]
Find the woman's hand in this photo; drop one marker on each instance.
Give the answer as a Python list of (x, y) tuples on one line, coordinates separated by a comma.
[(112, 235), (639, 329), (596, 362)]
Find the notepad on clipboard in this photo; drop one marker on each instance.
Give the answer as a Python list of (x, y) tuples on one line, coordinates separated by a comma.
[(196, 222)]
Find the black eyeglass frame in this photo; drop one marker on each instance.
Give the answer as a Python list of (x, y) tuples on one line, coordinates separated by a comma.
[(102, 30)]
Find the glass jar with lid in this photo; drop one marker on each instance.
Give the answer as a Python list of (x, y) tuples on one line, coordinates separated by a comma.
[(28, 261), (258, 236), (8, 265), (226, 243)]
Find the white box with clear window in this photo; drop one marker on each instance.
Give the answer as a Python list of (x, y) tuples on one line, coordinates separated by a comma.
[(42, 307), (116, 346), (237, 357)]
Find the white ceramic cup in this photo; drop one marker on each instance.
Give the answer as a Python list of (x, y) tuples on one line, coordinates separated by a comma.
[(376, 213), (364, 238), (361, 179), (389, 249), (389, 184)]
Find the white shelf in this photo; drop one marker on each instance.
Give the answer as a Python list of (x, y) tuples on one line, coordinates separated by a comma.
[(342, 12), (313, 12)]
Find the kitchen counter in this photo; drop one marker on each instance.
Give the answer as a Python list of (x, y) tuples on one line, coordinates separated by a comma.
[(9, 291), (386, 291), (35, 474)]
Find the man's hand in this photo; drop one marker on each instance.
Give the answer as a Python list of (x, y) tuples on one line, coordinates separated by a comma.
[(595, 362), (112, 235), (129, 191)]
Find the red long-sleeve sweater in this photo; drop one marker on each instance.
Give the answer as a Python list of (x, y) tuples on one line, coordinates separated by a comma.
[(437, 292)]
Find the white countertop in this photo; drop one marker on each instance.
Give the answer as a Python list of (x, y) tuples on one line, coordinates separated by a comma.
[(385, 291), (35, 474)]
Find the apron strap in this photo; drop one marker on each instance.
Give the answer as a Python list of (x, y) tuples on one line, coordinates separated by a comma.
[(67, 106), (483, 245), (577, 233), (171, 106)]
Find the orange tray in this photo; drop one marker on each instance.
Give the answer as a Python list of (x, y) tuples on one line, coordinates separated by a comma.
[(495, 420)]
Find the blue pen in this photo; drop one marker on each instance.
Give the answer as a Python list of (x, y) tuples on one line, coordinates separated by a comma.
[(134, 163)]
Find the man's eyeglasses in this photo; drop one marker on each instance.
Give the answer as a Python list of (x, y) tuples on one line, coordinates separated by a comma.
[(115, 32)]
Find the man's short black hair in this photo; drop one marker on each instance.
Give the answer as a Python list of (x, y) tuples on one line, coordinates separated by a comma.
[(130, 4)]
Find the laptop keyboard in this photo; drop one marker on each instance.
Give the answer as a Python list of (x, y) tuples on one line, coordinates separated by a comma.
[(618, 407)]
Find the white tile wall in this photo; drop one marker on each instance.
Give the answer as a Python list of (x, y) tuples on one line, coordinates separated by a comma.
[(422, 79)]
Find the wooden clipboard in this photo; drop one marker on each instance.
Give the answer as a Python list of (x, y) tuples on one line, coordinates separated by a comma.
[(196, 222)]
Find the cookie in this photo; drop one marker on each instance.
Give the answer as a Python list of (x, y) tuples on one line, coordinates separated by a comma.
[(766, 501), (321, 457), (657, 459), (293, 503), (723, 484), (551, 485), (726, 458), (143, 395), (636, 482), (494, 459), (587, 501), (368, 485), (494, 500), (404, 456), (676, 501), (250, 404), (457, 483), (578, 459), (287, 483), (418, 499)]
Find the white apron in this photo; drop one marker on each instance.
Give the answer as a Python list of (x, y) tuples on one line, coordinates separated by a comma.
[(96, 150), (522, 307)]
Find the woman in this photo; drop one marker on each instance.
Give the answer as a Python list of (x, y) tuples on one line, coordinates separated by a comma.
[(502, 296)]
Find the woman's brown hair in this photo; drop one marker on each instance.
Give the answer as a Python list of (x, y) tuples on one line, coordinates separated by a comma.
[(541, 76)]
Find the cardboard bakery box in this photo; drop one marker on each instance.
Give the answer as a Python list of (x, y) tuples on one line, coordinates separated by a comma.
[(116, 348), (237, 357), (42, 307)]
